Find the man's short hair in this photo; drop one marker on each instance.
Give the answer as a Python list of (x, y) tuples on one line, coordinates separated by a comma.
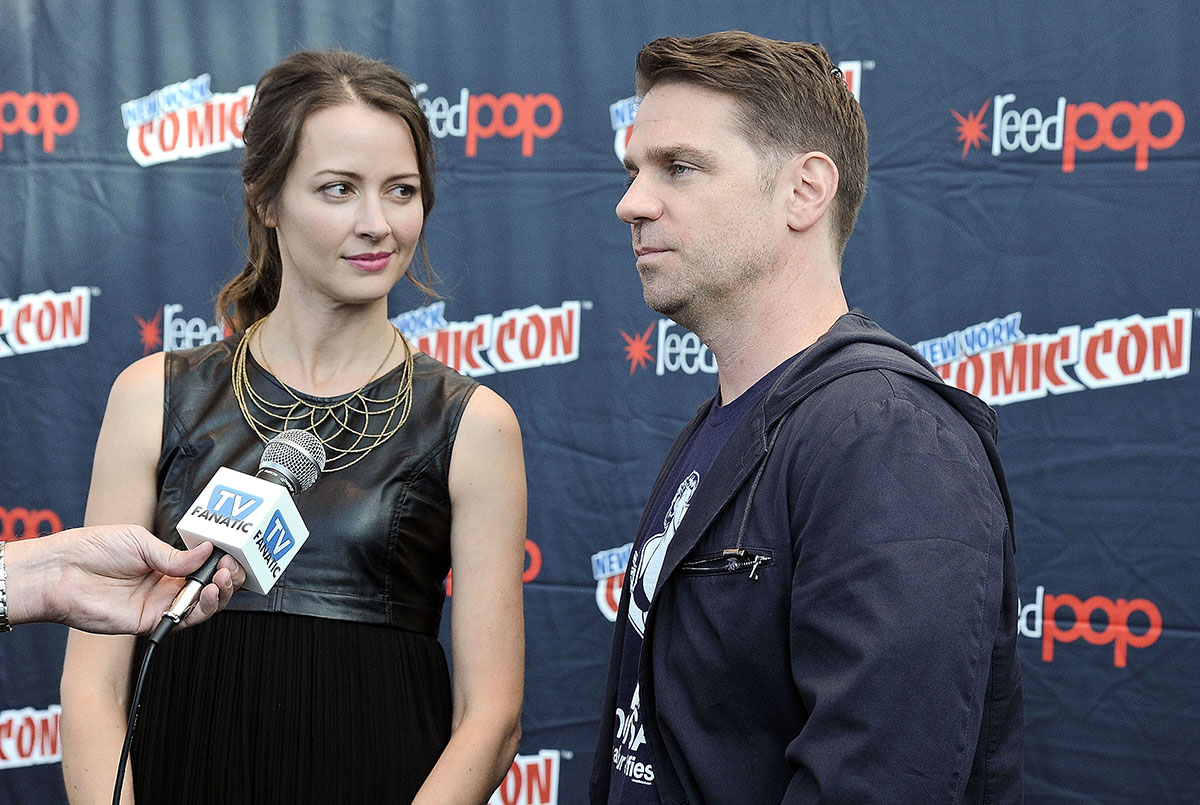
[(791, 99)]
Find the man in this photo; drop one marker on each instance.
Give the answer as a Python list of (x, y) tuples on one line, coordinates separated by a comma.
[(820, 602), (108, 579)]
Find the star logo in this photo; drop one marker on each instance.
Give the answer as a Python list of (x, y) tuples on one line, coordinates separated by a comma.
[(151, 332), (970, 128), (637, 349)]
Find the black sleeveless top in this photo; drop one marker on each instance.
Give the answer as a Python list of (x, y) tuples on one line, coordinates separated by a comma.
[(333, 687), (379, 542)]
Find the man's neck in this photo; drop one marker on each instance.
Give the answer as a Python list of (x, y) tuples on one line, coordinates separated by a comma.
[(778, 321)]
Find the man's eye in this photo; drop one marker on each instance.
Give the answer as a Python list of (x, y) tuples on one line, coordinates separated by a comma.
[(678, 169)]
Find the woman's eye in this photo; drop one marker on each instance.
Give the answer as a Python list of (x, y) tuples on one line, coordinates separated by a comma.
[(337, 189)]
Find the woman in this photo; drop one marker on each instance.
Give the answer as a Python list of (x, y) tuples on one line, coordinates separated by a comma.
[(332, 688)]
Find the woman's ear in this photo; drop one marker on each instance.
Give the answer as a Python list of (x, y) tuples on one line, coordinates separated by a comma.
[(266, 212)]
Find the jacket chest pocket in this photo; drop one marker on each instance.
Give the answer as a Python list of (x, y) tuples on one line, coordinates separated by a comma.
[(731, 561)]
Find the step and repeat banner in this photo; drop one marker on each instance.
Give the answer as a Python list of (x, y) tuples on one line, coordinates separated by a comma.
[(1030, 226)]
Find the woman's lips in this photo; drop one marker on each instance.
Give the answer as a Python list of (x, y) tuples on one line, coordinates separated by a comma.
[(376, 261)]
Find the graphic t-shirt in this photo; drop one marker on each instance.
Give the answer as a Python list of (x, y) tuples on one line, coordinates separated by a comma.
[(632, 779)]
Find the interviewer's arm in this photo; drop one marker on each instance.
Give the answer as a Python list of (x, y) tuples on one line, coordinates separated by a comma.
[(487, 635), (96, 671), (114, 579)]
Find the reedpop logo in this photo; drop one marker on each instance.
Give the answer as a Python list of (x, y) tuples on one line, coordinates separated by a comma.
[(479, 117), (678, 350), (1073, 128), (171, 331), (51, 115), (1098, 620), (21, 523)]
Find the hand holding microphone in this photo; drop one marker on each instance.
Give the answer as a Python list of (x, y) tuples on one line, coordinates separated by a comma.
[(251, 518)]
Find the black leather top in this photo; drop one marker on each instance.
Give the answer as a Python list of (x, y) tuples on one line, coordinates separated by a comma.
[(379, 543)]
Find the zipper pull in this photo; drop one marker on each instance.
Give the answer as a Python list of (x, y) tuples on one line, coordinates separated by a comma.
[(754, 567)]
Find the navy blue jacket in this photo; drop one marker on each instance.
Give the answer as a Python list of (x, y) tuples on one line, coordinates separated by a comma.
[(836, 615)]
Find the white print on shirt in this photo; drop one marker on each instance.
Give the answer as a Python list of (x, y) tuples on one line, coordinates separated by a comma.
[(630, 736), (650, 558)]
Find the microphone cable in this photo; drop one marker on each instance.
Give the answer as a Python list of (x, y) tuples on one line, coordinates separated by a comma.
[(131, 721)]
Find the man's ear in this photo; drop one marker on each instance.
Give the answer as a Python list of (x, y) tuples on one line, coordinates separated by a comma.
[(813, 182)]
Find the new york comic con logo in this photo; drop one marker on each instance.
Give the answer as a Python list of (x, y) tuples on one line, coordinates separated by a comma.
[(29, 737), (520, 338), (531, 779), (35, 322), (1071, 128), (608, 570), (185, 120), (996, 361), (621, 113)]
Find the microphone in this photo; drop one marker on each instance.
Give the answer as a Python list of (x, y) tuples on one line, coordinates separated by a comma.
[(251, 518)]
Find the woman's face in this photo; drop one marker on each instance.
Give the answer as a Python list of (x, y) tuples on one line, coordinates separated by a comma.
[(349, 214)]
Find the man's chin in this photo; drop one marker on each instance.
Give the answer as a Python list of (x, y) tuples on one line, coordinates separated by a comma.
[(674, 309)]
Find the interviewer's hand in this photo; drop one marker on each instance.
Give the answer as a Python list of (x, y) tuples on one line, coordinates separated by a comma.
[(110, 579)]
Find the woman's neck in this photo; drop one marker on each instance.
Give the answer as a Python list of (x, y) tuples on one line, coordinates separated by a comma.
[(330, 352)]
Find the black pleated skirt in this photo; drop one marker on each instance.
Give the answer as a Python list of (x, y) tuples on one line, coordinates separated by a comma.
[(271, 708)]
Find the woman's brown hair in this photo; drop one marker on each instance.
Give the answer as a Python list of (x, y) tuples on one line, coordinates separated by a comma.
[(283, 99)]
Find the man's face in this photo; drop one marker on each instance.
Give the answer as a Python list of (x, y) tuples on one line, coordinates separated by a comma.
[(704, 228)]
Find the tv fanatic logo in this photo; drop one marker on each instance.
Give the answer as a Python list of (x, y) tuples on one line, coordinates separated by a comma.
[(999, 363), (621, 113), (229, 507), (21, 523), (1135, 623), (171, 331), (50, 115), (185, 120), (1073, 128), (521, 338), (29, 737), (480, 117), (677, 350), (35, 322), (232, 503)]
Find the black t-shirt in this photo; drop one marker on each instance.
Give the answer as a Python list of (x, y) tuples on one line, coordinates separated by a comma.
[(632, 775)]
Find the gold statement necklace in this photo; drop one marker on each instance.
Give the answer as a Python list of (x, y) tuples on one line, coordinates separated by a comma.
[(356, 418)]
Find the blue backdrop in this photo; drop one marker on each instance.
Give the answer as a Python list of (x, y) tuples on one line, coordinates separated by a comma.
[(1029, 224)]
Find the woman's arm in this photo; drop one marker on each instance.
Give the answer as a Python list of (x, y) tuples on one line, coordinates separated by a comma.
[(97, 668), (487, 627)]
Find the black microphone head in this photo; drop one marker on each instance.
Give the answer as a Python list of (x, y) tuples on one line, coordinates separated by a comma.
[(296, 455)]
